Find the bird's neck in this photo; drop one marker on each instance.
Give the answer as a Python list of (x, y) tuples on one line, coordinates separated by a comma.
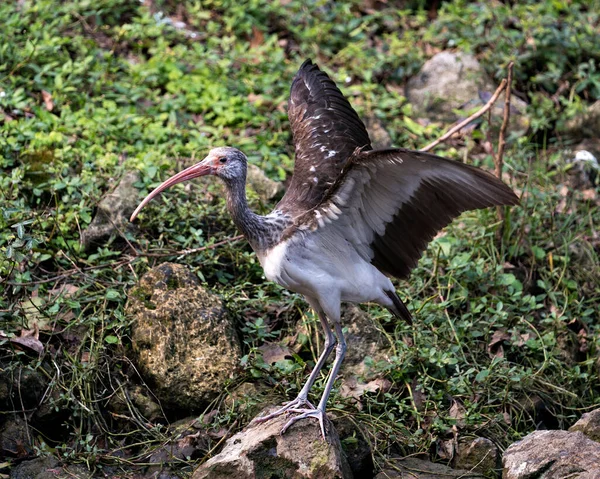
[(258, 230)]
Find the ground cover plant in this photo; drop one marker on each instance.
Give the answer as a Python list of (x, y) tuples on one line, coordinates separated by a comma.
[(506, 334)]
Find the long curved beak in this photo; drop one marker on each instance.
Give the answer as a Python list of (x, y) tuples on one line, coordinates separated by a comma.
[(199, 169)]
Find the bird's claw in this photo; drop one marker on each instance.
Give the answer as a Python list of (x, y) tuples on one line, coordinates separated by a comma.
[(306, 413), (297, 404)]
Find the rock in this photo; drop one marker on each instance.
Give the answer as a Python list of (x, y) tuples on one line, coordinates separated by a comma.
[(584, 125), (478, 455), (260, 451), (248, 398), (21, 385), (380, 138), (355, 446), (265, 187), (38, 468), (184, 342), (451, 81), (15, 440), (186, 441), (140, 397), (552, 455), (589, 424), (114, 210), (413, 468), (584, 169), (364, 339)]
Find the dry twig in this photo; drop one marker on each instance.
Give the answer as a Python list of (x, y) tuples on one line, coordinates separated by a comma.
[(466, 121), (498, 160)]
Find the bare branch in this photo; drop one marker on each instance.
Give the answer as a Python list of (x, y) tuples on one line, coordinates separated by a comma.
[(471, 118)]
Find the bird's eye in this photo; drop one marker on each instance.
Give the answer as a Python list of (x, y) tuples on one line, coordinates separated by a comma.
[(222, 160)]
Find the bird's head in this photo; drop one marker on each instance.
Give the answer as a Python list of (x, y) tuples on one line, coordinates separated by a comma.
[(227, 163)]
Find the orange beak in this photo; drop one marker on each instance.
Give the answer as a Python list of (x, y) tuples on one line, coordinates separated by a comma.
[(205, 167)]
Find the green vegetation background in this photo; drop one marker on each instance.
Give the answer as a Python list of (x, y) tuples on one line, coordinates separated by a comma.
[(91, 89)]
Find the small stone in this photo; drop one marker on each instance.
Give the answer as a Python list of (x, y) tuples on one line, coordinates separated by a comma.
[(265, 187), (260, 450), (479, 455), (380, 138), (185, 343), (38, 468), (112, 216)]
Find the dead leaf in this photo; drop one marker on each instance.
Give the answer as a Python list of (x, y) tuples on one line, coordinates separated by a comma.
[(352, 388), (459, 413), (258, 38), (589, 194), (523, 338), (48, 103), (495, 348), (255, 99), (66, 290), (29, 338), (445, 449), (273, 352)]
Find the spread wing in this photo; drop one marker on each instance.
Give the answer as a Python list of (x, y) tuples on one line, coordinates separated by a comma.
[(326, 131), (390, 203)]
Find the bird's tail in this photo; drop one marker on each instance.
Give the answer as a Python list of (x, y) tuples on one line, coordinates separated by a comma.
[(399, 309)]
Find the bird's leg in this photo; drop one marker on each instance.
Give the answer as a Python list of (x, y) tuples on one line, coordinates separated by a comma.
[(319, 412), (301, 400)]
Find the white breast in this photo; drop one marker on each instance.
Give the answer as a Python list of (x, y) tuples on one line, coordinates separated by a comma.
[(318, 265), (272, 261)]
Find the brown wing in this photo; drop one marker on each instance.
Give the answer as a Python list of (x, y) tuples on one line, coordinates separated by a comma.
[(390, 203), (326, 131)]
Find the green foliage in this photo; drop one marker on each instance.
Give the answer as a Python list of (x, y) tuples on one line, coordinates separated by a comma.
[(89, 90)]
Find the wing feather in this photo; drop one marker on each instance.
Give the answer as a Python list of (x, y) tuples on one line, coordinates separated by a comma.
[(326, 131), (392, 203)]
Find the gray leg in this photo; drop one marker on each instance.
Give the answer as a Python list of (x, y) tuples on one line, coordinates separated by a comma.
[(301, 400), (319, 412)]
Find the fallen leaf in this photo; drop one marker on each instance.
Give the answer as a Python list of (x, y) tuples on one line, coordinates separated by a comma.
[(66, 290), (352, 388), (29, 338), (589, 194), (495, 348), (258, 38), (459, 413), (445, 449), (48, 103), (523, 338), (273, 352)]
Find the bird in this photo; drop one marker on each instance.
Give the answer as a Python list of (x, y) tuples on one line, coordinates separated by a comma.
[(352, 218)]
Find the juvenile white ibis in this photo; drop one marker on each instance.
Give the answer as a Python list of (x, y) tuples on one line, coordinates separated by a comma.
[(351, 218)]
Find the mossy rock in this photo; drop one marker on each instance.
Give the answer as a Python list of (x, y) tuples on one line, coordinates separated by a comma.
[(184, 341)]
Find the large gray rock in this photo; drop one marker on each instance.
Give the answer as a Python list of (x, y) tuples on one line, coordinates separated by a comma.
[(112, 216), (413, 468), (453, 81), (261, 452), (589, 424), (185, 343), (552, 455)]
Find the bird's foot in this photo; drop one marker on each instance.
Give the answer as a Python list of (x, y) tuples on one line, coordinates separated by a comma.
[(306, 413), (300, 403)]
